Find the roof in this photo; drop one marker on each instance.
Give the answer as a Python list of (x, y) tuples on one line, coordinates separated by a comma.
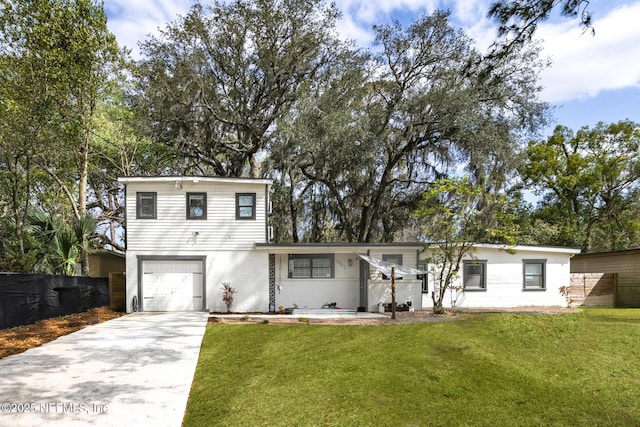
[(355, 247), (194, 179), (634, 251), (107, 252), (339, 244), (518, 248), (334, 247)]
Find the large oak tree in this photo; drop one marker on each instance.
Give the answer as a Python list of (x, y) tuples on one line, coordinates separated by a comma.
[(380, 129), (214, 82)]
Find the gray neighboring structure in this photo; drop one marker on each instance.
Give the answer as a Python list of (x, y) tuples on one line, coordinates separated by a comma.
[(626, 263)]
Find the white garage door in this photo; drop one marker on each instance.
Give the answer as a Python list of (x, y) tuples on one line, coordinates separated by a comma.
[(172, 285)]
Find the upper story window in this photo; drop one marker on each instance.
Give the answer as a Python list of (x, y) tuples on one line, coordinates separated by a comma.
[(534, 274), (146, 205), (474, 275), (394, 258), (196, 205), (246, 206), (314, 266)]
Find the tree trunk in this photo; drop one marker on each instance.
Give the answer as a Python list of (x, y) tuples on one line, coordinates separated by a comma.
[(293, 210), (82, 202), (393, 293)]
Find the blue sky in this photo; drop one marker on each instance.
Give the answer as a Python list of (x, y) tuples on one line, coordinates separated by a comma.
[(591, 79)]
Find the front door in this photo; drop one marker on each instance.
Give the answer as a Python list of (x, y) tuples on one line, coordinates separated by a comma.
[(364, 281)]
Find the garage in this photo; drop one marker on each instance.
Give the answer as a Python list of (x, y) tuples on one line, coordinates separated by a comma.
[(172, 285)]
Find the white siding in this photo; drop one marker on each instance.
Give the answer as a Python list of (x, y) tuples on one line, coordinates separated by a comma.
[(407, 288), (505, 280), (226, 243), (171, 229)]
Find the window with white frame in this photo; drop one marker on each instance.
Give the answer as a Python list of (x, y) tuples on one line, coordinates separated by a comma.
[(146, 205), (474, 275), (311, 266), (534, 274)]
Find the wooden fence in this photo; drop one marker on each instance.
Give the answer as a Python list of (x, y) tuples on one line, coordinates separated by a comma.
[(593, 289), (117, 291)]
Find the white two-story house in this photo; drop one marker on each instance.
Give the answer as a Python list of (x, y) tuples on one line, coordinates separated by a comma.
[(186, 236)]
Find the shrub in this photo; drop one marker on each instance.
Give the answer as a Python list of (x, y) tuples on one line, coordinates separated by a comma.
[(227, 294)]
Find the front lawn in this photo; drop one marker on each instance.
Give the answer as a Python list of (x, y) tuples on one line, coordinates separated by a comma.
[(485, 369)]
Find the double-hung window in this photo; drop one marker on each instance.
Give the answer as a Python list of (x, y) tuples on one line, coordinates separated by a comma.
[(196, 205), (392, 258), (146, 205), (534, 274), (474, 275), (246, 206), (311, 266)]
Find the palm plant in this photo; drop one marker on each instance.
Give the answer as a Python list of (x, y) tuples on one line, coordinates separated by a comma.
[(68, 243), (66, 249)]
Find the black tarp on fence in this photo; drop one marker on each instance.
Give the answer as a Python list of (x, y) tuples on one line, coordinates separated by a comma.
[(27, 298)]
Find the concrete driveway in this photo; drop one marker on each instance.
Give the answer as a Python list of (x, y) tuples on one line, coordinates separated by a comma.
[(135, 370)]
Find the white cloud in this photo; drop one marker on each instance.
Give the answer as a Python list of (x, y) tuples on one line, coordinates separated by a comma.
[(584, 65), (133, 20), (371, 12), (471, 11), (359, 16), (348, 29)]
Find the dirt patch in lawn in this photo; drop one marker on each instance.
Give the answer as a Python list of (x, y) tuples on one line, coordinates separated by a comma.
[(420, 316), (261, 318), (21, 338)]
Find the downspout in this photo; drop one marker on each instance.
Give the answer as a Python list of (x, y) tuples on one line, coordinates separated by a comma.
[(125, 218), (267, 213)]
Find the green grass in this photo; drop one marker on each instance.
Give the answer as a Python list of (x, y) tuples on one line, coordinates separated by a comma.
[(485, 369)]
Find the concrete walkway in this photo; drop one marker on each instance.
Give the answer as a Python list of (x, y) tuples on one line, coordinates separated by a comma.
[(135, 370)]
